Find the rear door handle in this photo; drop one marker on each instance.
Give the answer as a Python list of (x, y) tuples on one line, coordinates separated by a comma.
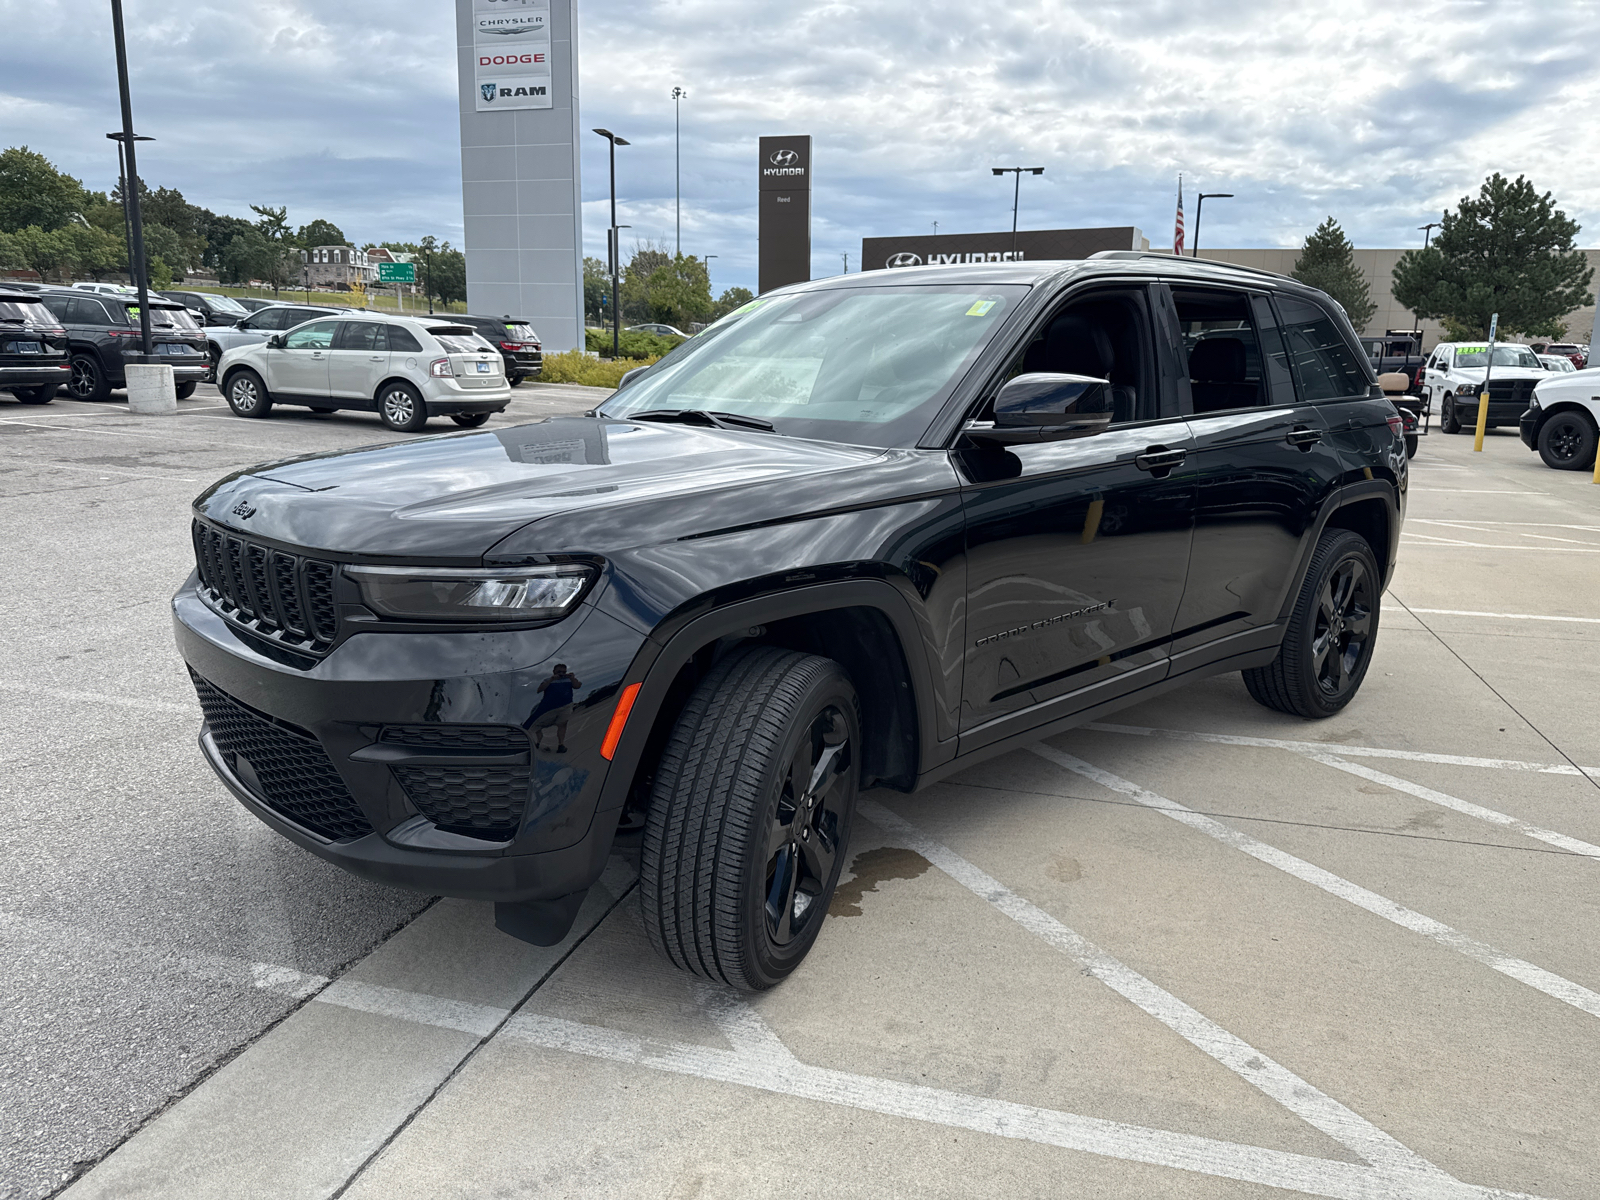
[(1159, 458), (379, 357), (1301, 436)]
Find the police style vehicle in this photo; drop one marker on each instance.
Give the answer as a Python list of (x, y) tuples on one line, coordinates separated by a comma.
[(1453, 379), (1562, 419)]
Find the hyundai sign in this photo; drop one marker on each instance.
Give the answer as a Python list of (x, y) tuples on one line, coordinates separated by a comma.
[(783, 206), (947, 249)]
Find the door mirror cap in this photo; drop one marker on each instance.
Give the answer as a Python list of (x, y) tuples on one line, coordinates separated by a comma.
[(1045, 406), (275, 342), (240, 323)]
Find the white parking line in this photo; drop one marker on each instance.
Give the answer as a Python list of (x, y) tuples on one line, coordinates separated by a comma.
[(1423, 541), (1255, 1068), (1548, 982), (1473, 525), (479, 1020), (1478, 492), (1499, 616), (1449, 760), (1570, 844), (33, 689)]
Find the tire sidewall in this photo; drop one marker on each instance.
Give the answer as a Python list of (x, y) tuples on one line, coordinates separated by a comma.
[(1302, 625), (419, 408), (91, 367), (263, 402), (1586, 452), (1447, 416)]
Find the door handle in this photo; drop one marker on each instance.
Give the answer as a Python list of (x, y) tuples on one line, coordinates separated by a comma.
[(1303, 437), (1159, 458), (378, 357)]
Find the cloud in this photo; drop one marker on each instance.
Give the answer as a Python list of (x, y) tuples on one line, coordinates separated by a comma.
[(1377, 115)]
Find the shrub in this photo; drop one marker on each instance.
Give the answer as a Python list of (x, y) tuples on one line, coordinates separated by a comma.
[(631, 344), (574, 366)]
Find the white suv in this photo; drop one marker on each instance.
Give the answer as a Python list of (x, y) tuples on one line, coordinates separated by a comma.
[(406, 369), (1562, 420)]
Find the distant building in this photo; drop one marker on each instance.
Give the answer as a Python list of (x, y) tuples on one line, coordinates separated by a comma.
[(336, 266)]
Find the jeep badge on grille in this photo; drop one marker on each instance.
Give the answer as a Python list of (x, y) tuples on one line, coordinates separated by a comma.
[(244, 510)]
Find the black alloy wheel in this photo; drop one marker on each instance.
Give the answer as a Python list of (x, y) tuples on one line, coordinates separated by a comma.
[(1331, 634), (185, 389), (1448, 421), (88, 379), (750, 815), (470, 420), (42, 394), (1567, 441), (401, 409), (247, 394)]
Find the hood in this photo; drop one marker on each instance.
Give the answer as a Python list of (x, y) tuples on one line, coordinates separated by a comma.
[(455, 496), (1476, 373)]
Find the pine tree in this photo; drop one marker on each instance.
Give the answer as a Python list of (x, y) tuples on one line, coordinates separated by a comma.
[(1509, 251), (1327, 261)]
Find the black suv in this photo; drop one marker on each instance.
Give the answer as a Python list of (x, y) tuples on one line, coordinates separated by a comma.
[(214, 308), (862, 532), (33, 348), (516, 340), (102, 329)]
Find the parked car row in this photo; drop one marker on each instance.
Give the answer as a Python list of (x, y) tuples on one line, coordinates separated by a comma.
[(34, 360)]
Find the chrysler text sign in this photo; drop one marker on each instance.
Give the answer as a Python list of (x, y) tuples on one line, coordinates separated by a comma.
[(948, 249), (511, 54)]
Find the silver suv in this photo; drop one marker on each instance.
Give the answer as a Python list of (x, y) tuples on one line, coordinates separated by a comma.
[(406, 369)]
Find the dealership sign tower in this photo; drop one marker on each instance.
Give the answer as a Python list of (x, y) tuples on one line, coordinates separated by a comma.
[(784, 212), (518, 74)]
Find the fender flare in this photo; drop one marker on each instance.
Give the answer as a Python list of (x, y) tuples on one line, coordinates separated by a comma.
[(1344, 497), (657, 663)]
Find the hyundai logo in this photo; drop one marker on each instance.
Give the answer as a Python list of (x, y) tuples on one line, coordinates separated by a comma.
[(784, 158), (904, 259)]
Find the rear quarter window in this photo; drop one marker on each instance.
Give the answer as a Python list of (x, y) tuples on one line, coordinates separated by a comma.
[(1325, 367), (403, 340)]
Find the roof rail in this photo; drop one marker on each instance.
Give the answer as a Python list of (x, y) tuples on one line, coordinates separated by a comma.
[(1211, 262)]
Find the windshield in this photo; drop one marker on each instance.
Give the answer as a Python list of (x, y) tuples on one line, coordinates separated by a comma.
[(867, 365), (458, 339), (226, 304), (1504, 356)]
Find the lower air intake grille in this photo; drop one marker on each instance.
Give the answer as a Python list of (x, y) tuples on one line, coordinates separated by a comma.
[(296, 777), (484, 802), (457, 737)]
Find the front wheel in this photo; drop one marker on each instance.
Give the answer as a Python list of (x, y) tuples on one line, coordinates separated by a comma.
[(469, 420), (1328, 644), (1448, 421), (750, 816), (400, 408), (1567, 441), (247, 395)]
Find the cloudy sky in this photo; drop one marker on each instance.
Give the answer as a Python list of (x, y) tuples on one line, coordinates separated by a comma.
[(1376, 113)]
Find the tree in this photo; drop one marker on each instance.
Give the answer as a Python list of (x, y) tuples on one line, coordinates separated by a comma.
[(679, 292), (161, 242), (449, 271), (734, 297), (33, 193), (280, 263), (1509, 251), (43, 250), (1327, 261), (648, 258), (321, 233), (245, 257), (94, 251), (596, 290)]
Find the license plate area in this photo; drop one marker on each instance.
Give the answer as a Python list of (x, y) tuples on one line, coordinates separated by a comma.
[(483, 368)]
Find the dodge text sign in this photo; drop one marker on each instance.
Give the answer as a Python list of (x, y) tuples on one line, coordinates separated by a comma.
[(511, 59)]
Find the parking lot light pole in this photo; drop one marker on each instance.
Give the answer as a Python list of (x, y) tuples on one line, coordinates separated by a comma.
[(706, 258), (130, 188), (614, 240), (1198, 204), (122, 179), (677, 169), (1016, 197)]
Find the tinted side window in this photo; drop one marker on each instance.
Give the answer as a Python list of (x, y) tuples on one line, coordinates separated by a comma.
[(318, 336), (61, 306), (267, 319), (1324, 365), (1105, 335), (1224, 354), (360, 335), (402, 340), (91, 312), (1274, 355)]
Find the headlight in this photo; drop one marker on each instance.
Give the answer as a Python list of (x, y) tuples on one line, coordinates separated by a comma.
[(1467, 389), (538, 593)]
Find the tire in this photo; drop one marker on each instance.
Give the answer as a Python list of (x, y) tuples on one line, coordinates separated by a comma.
[(470, 420), (88, 379), (247, 395), (514, 380), (1448, 421), (1567, 441), (1411, 445), (1342, 581), (42, 394), (184, 390), (722, 873), (400, 408)]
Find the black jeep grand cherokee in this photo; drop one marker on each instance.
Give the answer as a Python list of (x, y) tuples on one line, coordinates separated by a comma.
[(862, 532)]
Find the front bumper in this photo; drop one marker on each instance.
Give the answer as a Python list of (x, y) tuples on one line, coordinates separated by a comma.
[(34, 376), (344, 708), (1528, 427), (1501, 412)]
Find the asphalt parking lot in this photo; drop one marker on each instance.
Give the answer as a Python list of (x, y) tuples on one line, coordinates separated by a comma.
[(1197, 950)]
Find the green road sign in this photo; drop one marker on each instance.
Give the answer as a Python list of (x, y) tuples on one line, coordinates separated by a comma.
[(393, 272)]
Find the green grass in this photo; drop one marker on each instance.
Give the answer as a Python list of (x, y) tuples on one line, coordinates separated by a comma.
[(372, 300), (574, 366)]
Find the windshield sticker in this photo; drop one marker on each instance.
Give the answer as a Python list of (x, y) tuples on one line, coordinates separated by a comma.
[(981, 308), (1472, 349)]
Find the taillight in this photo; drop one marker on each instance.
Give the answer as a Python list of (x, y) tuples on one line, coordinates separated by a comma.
[(1397, 424), (511, 345), (440, 368)]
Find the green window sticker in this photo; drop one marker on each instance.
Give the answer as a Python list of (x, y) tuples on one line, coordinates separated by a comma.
[(981, 308)]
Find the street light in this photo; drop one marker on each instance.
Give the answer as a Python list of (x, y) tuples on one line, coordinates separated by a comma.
[(130, 196), (1016, 196), (1198, 205), (122, 178), (677, 174), (613, 241), (1427, 232), (707, 260)]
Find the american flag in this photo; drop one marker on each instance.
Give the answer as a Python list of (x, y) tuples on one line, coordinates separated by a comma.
[(1177, 229)]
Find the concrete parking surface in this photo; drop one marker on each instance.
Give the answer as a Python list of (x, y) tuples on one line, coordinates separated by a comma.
[(1199, 949)]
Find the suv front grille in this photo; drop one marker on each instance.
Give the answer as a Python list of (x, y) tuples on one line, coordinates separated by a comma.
[(296, 777), (1520, 390), (483, 802), (283, 597), (456, 737)]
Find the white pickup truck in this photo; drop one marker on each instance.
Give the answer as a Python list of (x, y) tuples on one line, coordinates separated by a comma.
[(1453, 378)]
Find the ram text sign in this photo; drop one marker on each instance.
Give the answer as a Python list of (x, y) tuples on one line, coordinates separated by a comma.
[(511, 54)]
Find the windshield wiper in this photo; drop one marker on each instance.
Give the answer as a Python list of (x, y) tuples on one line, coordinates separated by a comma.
[(702, 416)]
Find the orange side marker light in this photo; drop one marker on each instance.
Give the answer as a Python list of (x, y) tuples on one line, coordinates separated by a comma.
[(618, 719)]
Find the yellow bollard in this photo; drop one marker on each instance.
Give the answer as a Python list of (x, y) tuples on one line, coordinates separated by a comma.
[(1483, 419), (1597, 467)]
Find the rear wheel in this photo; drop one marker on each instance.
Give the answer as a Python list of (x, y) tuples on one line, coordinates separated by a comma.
[(399, 407), (1328, 644), (1567, 441), (42, 394), (247, 395), (1411, 445), (184, 390), (469, 420), (88, 379), (750, 816), (514, 379)]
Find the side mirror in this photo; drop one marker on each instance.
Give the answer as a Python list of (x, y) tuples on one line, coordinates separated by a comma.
[(239, 324), (275, 342), (1045, 407), (627, 375)]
